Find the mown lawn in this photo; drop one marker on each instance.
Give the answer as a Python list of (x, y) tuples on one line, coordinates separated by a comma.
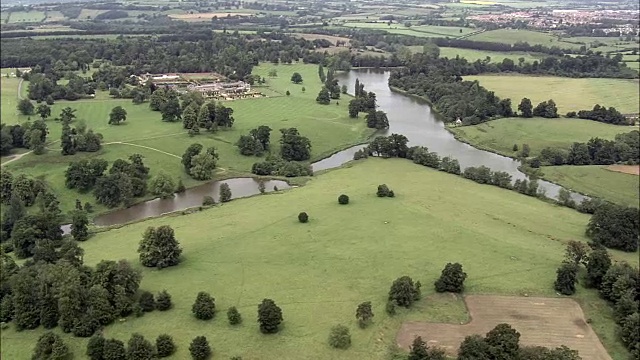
[(250, 249), (500, 135), (328, 127), (569, 94), (597, 181)]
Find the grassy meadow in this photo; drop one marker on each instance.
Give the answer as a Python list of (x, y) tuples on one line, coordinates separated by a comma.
[(328, 127), (418, 30), (568, 93), (500, 135), (496, 56), (597, 181), (512, 36), (250, 249)]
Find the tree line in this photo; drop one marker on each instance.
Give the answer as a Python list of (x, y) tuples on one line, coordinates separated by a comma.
[(602, 114), (617, 283), (625, 148)]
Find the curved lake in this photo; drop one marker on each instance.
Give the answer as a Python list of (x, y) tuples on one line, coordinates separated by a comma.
[(408, 116)]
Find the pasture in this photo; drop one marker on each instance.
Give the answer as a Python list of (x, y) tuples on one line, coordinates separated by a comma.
[(418, 30), (496, 56), (327, 126), (25, 16), (512, 36), (500, 135), (250, 249), (569, 94), (597, 181)]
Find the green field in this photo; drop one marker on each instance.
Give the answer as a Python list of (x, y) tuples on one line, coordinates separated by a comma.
[(500, 135), (511, 36), (328, 127), (26, 16), (597, 181), (569, 94), (496, 56), (419, 30), (250, 249)]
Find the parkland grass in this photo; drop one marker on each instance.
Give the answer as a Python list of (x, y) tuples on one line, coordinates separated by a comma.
[(500, 135), (419, 30), (328, 127), (569, 94), (250, 249), (597, 181), (496, 56), (512, 36)]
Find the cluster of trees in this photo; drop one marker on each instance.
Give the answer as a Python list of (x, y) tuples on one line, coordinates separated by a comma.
[(197, 113), (45, 87), (616, 282), (29, 135), (124, 181), (79, 138), (440, 81), (615, 226), (546, 109), (256, 143), (363, 102), (602, 114), (293, 149), (331, 88), (276, 166), (57, 289), (200, 164), (625, 148)]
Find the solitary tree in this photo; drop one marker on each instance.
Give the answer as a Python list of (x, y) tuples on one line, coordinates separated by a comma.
[(234, 316), (225, 192), (303, 217), (25, 107), (567, 277), (451, 279), (269, 316), (118, 115), (44, 111), (163, 301), (162, 185), (364, 314), (419, 350), (404, 292), (340, 338), (199, 348), (165, 345), (503, 341), (343, 199), (323, 97), (159, 247), (204, 307), (296, 78)]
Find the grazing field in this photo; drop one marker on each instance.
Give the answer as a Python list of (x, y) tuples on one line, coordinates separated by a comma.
[(328, 127), (549, 322), (597, 181), (539, 133), (511, 36), (26, 16), (250, 249), (420, 31), (496, 56), (206, 16), (311, 37), (569, 94)]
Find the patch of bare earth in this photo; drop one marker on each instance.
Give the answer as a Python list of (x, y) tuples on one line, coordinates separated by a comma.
[(549, 322), (332, 39), (627, 169)]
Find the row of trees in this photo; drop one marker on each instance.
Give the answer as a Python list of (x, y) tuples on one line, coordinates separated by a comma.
[(617, 283), (625, 148), (546, 109), (602, 114), (124, 181)]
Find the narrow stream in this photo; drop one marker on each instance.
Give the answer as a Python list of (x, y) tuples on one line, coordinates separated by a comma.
[(408, 116)]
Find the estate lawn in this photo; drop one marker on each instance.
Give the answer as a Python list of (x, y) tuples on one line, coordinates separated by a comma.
[(569, 94), (327, 126), (250, 249), (597, 181), (500, 135)]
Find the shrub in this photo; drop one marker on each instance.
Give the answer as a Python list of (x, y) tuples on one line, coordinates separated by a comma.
[(451, 279), (165, 346), (566, 280), (383, 190), (234, 316), (225, 192), (390, 308), (147, 302), (343, 199), (364, 314), (208, 200), (163, 301), (269, 316), (303, 217), (204, 307), (340, 338), (199, 348)]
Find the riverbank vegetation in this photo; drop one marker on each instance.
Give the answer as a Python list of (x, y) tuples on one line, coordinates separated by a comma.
[(274, 244)]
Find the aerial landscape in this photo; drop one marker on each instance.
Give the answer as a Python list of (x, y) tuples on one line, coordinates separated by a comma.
[(301, 179)]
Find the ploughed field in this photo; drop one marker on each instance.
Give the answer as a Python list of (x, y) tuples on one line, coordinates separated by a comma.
[(548, 322), (318, 272)]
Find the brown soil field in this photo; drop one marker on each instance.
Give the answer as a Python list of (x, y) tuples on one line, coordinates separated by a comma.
[(549, 322), (205, 16), (627, 169)]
